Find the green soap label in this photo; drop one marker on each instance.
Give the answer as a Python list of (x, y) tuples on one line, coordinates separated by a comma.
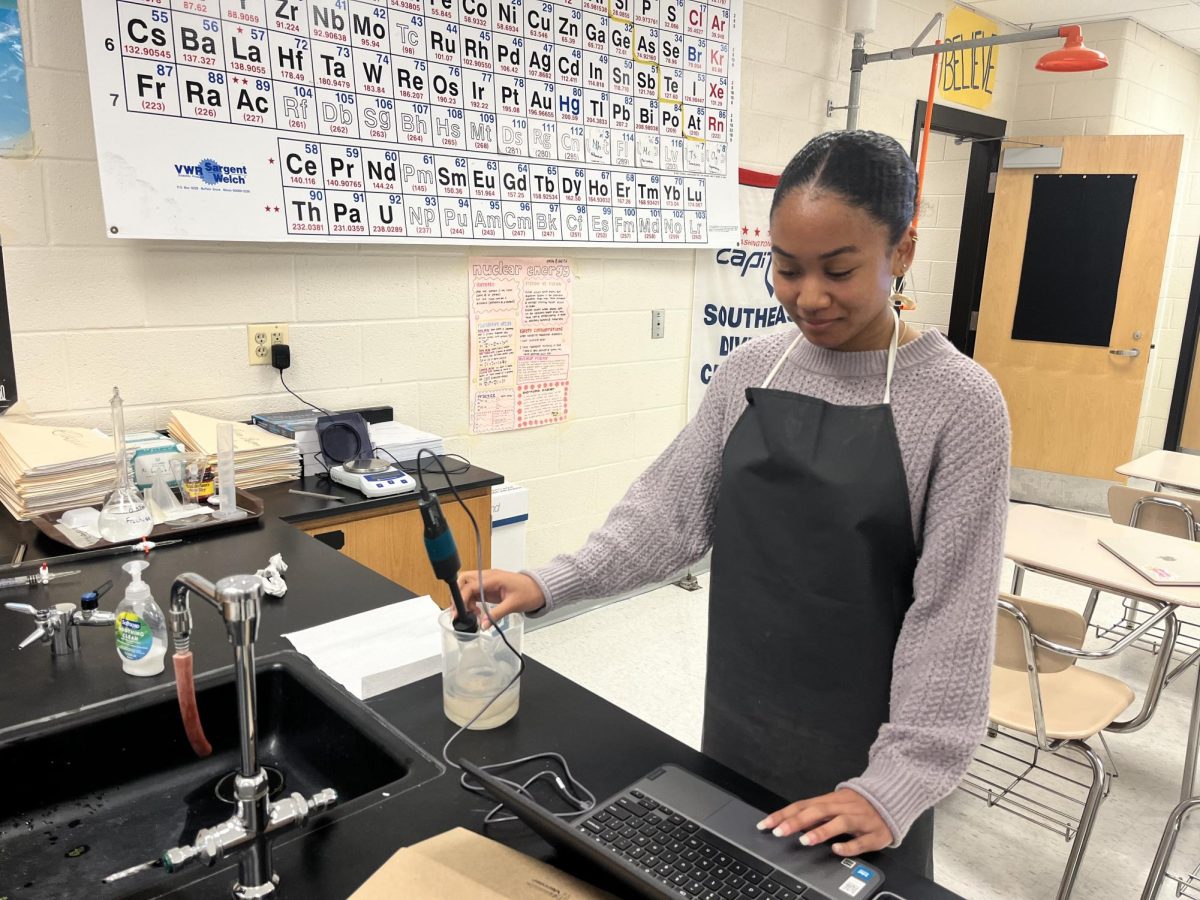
[(134, 636)]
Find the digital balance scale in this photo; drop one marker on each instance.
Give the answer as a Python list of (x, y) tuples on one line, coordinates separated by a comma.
[(373, 477)]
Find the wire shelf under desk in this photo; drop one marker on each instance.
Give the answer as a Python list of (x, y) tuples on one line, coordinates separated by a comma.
[(1187, 642), (1185, 885), (1010, 772)]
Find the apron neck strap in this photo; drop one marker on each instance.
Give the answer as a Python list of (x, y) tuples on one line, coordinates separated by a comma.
[(891, 360)]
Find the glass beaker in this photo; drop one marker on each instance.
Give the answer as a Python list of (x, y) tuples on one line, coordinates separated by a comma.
[(195, 476), (476, 667)]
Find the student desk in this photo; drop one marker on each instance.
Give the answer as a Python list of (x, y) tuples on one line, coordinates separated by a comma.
[(1165, 468), (1066, 545)]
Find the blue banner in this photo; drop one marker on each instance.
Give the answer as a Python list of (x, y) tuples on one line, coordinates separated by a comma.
[(15, 136)]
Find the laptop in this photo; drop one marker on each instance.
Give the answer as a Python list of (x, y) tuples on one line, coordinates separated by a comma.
[(1161, 559), (672, 834)]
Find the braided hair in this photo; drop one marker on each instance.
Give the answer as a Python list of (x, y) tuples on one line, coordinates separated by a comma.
[(868, 170)]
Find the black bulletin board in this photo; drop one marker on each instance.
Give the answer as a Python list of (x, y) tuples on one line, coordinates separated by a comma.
[(1073, 253)]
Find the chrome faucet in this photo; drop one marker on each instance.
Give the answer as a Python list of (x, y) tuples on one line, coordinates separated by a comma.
[(58, 625), (238, 599)]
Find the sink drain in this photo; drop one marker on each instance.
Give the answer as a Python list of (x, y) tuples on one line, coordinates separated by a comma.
[(224, 787)]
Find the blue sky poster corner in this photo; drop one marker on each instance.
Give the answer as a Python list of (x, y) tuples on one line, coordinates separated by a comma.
[(15, 137)]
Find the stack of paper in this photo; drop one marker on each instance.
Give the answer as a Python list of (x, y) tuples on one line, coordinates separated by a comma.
[(404, 441), (378, 650), (259, 457), (47, 468)]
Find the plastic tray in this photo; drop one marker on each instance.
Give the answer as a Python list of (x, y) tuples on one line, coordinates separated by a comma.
[(251, 503)]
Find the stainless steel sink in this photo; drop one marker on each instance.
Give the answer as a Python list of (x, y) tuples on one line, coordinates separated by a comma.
[(115, 786)]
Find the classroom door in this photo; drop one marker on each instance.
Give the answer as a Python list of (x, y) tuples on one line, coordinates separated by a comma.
[(1075, 406)]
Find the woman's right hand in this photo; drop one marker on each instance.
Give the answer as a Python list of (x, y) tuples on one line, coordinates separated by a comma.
[(508, 592)]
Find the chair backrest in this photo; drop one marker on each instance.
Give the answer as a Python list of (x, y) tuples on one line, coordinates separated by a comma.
[(1054, 623), (1160, 512)]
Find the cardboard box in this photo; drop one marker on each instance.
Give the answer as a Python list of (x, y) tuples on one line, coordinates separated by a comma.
[(468, 866)]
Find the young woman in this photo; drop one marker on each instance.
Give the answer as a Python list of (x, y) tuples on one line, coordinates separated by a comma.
[(852, 481)]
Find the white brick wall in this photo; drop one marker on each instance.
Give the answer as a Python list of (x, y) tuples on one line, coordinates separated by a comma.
[(166, 320)]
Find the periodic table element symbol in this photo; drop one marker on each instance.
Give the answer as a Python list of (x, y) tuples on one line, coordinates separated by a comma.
[(671, 15), (377, 118), (300, 165), (152, 87), (477, 48), (446, 10), (649, 194), (595, 70), (408, 36), (572, 143), (481, 131), (514, 135), (621, 112), (483, 178), (479, 91), (506, 17), (568, 26), (598, 185), (645, 79), (245, 12), (695, 195), (518, 220), (347, 212), (198, 40), (600, 223), (547, 221), (442, 41), (621, 9), (568, 65), (369, 26), (332, 66), (694, 24), (337, 112), (453, 176), (695, 88), (672, 193), (386, 215), (251, 102), (543, 137), (295, 108), (510, 95), (670, 85), (204, 94), (595, 32), (413, 124), (381, 170), (487, 219), (544, 184), (716, 158), (412, 79), (596, 108), (620, 75), (573, 186), (649, 151), (624, 148), (574, 222), (718, 24), (693, 156), (624, 189), (476, 13), (674, 227), (291, 60), (697, 227), (646, 13), (649, 225), (514, 181), (716, 126), (418, 175), (510, 54), (146, 33), (646, 112), (540, 99), (287, 16), (304, 210), (670, 49), (449, 128), (328, 21), (569, 106), (421, 216), (672, 154), (620, 38), (539, 21), (539, 60), (625, 225), (372, 72), (454, 216), (717, 59), (645, 45), (718, 93), (342, 167)]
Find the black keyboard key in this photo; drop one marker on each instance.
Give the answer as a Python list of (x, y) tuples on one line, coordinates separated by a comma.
[(696, 872), (602, 816), (737, 882), (710, 895), (691, 827), (679, 880), (729, 894), (796, 887), (694, 843), (723, 859), (609, 836), (676, 846), (677, 819), (628, 831), (668, 857), (694, 888), (617, 812), (655, 848), (622, 844), (751, 891), (785, 894), (753, 877), (650, 860), (708, 851), (653, 819), (770, 888), (641, 840), (631, 806), (663, 870), (738, 868), (713, 884), (720, 873), (647, 803), (667, 811), (593, 826), (637, 794), (690, 855), (637, 853), (705, 864)]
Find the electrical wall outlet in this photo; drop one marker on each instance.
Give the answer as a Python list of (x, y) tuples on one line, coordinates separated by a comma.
[(259, 339)]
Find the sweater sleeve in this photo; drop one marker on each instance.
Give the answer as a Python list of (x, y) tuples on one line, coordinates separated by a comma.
[(942, 667), (665, 520)]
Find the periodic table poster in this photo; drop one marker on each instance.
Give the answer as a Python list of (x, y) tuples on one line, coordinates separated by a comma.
[(572, 122)]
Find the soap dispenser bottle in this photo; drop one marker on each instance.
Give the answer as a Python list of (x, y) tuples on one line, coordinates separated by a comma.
[(141, 628)]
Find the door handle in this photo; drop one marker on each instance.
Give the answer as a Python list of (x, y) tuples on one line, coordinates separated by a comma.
[(1132, 352)]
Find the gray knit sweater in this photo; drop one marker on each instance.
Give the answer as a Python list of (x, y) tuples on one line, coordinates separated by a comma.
[(954, 440)]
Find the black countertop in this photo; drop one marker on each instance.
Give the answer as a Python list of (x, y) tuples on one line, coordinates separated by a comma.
[(607, 747)]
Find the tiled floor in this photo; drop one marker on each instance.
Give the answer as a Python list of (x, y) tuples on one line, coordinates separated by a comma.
[(982, 853)]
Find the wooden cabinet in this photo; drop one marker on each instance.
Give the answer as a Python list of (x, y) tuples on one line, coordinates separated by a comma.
[(391, 541)]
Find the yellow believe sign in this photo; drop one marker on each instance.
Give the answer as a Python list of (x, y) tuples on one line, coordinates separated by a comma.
[(968, 76)]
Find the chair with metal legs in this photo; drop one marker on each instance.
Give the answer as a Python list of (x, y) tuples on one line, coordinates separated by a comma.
[(1187, 885), (1038, 691)]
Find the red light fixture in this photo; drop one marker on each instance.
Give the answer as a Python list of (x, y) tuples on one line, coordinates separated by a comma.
[(1073, 56)]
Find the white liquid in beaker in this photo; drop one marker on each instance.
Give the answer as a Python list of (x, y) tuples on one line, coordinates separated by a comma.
[(470, 689)]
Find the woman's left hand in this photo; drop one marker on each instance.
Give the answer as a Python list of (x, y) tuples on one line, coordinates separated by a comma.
[(821, 818)]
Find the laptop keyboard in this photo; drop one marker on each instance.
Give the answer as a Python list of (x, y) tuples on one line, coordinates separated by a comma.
[(690, 860)]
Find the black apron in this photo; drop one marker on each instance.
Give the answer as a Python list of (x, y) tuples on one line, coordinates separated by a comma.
[(812, 574)]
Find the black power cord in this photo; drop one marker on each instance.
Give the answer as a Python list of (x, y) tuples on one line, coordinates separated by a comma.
[(567, 785), (281, 359)]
